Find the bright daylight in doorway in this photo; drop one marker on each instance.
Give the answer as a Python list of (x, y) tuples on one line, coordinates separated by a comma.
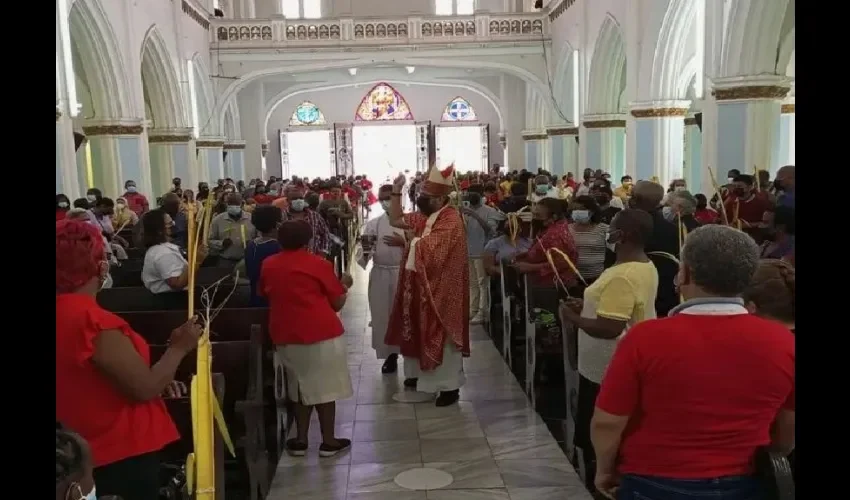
[(461, 146), (310, 154), (382, 151)]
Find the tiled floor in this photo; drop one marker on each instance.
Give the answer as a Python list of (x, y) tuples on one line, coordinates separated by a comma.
[(492, 443)]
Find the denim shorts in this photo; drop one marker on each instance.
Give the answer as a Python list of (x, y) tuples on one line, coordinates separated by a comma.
[(657, 488)]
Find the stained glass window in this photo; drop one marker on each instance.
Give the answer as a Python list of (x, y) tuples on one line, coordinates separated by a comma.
[(382, 103), (459, 110), (307, 113)]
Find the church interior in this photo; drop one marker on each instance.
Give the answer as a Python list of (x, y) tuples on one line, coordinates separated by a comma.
[(264, 91)]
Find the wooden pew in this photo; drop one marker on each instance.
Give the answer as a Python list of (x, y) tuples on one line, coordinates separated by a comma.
[(126, 299), (241, 352), (129, 274), (569, 339)]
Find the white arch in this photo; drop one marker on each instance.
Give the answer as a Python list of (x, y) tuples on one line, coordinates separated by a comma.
[(160, 82), (233, 89), (606, 69), (206, 101), (232, 128), (278, 99), (563, 82), (99, 51), (686, 77), (752, 37), (786, 53), (669, 57)]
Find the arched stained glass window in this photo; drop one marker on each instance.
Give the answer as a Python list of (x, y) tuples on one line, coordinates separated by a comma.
[(459, 110), (307, 113), (382, 103)]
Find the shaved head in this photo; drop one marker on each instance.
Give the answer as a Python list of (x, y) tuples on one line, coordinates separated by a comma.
[(647, 195)]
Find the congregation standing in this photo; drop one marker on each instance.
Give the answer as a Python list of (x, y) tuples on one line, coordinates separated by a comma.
[(639, 258)]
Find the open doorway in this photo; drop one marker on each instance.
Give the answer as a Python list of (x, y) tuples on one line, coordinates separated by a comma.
[(382, 151), (309, 154)]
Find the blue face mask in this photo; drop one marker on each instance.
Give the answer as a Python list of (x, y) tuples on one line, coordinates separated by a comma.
[(131, 189), (668, 214), (298, 205), (541, 189), (234, 210), (581, 216), (273, 193)]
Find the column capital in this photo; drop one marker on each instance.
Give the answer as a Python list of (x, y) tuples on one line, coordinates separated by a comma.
[(604, 121), (118, 126), (534, 135), (234, 144), (788, 109), (209, 142), (169, 135), (659, 109), (741, 88), (567, 129)]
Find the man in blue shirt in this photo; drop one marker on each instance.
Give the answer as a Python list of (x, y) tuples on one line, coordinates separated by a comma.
[(785, 182)]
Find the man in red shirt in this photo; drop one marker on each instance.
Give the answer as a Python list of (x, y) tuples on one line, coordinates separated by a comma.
[(744, 209), (688, 400), (137, 202)]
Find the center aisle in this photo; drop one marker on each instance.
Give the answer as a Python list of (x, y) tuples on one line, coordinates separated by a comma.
[(492, 443)]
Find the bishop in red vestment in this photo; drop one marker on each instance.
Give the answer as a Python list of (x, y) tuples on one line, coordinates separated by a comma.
[(430, 315)]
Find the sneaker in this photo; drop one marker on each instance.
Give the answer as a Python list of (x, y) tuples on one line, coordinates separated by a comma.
[(326, 450), (410, 383), (448, 398), (296, 448)]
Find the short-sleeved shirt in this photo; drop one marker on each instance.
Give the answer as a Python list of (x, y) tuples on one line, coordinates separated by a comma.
[(624, 292), (300, 287), (476, 236), (162, 262), (88, 402), (502, 249), (701, 390), (591, 244), (557, 235)]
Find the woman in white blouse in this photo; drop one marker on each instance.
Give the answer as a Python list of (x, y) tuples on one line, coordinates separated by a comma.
[(165, 269)]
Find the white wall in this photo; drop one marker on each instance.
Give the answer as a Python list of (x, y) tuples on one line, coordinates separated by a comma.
[(339, 106)]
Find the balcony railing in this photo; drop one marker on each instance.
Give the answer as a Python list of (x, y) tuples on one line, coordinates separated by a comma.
[(279, 32)]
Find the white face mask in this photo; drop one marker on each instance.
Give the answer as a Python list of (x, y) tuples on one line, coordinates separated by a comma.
[(91, 197), (63, 204), (385, 204), (131, 189), (668, 214)]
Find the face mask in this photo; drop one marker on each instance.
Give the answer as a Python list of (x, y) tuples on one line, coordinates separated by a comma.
[(668, 214), (581, 216), (678, 188), (298, 205), (730, 179), (63, 204), (120, 206), (541, 189), (423, 203), (385, 204), (273, 192), (91, 197), (234, 210), (131, 189)]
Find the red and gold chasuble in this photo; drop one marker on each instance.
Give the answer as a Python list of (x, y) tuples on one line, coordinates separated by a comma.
[(432, 303)]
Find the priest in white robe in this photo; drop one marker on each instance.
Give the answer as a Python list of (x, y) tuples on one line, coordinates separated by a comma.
[(386, 252)]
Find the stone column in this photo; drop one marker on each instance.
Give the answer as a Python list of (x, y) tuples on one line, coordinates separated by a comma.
[(660, 139), (264, 149), (68, 180), (210, 159), (747, 122), (113, 155), (563, 147), (234, 162), (534, 141), (693, 172), (170, 158), (604, 143), (787, 138)]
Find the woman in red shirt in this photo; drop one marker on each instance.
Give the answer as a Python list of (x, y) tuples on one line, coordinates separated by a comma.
[(304, 296), (550, 229), (687, 400), (106, 389)]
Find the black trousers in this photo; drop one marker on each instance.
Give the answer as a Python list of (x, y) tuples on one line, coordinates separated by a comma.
[(587, 393), (134, 478)]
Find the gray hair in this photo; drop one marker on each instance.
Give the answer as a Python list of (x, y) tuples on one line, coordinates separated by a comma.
[(722, 260), (685, 200)]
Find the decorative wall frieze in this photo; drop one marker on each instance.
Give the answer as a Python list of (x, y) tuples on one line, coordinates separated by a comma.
[(95, 130), (659, 112), (604, 124), (209, 142), (788, 109), (751, 92), (534, 135), (169, 135), (196, 16), (559, 9), (551, 131), (234, 145)]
